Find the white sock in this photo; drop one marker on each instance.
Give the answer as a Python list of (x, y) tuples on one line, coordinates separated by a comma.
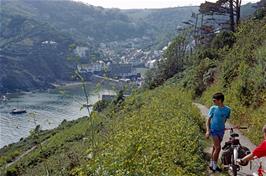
[(211, 163), (214, 165)]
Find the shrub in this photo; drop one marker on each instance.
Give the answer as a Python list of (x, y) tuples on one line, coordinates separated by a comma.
[(223, 39), (242, 78), (159, 137), (172, 63), (100, 105)]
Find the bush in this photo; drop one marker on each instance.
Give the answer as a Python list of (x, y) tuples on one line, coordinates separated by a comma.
[(245, 94), (172, 63), (100, 105), (12, 172), (198, 78), (223, 39), (157, 137), (242, 78)]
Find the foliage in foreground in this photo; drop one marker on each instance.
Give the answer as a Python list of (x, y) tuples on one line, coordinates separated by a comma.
[(153, 133)]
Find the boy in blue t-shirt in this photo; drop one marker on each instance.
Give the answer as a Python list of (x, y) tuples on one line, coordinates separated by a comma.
[(215, 125)]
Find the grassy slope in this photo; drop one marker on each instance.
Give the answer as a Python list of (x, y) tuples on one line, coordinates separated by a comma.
[(151, 133)]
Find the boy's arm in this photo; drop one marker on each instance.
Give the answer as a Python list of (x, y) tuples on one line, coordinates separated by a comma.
[(248, 157), (229, 114), (208, 122)]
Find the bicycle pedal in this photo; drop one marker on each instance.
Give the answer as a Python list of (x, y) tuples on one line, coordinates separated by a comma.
[(226, 168)]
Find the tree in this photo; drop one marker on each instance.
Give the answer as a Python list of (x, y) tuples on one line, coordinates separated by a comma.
[(261, 4), (173, 61), (224, 7), (261, 9)]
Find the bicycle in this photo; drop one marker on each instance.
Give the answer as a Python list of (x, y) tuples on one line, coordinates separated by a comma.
[(233, 150)]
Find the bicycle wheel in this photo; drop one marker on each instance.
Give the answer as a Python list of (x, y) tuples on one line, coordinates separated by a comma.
[(234, 164), (234, 170)]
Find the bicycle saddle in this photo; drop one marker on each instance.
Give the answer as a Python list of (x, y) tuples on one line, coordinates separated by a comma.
[(234, 135)]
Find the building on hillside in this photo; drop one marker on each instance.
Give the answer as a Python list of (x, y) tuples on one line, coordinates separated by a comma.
[(91, 68), (81, 51), (108, 97), (151, 64), (121, 70)]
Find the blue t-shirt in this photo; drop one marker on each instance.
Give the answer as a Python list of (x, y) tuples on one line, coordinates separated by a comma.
[(218, 116)]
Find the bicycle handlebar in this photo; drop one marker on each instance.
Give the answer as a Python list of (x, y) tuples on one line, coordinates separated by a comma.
[(237, 127)]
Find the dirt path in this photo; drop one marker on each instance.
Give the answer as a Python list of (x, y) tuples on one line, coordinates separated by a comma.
[(24, 154), (21, 156), (244, 171)]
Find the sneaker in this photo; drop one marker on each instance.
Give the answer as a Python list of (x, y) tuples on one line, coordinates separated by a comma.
[(218, 169), (211, 168)]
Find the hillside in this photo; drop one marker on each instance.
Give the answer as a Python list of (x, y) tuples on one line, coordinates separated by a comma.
[(164, 21), (87, 23), (96, 24), (32, 55)]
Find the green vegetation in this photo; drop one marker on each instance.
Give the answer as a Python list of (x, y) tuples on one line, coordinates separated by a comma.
[(9, 153), (151, 134), (56, 154), (242, 77), (172, 63)]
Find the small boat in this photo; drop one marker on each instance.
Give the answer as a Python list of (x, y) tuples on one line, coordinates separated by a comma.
[(87, 105), (18, 111)]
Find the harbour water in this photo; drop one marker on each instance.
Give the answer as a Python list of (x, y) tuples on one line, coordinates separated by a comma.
[(45, 108)]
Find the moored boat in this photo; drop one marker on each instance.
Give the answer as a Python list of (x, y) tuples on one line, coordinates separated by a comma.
[(18, 111)]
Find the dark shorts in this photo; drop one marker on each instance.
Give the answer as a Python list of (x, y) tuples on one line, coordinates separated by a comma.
[(219, 134)]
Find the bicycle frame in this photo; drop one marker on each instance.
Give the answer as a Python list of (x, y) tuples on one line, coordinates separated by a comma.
[(235, 144), (260, 170)]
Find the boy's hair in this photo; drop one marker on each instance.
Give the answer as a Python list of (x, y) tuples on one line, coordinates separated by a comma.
[(218, 96), (264, 129)]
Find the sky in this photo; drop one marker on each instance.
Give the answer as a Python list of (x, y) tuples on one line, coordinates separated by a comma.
[(141, 4)]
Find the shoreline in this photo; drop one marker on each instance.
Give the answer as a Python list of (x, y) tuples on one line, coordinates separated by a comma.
[(95, 79), (65, 84), (30, 142)]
